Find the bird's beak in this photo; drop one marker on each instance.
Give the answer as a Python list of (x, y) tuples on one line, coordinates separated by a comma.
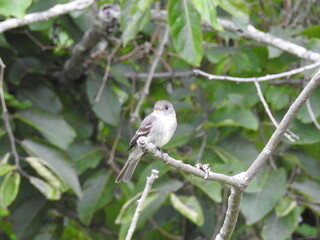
[(157, 109)]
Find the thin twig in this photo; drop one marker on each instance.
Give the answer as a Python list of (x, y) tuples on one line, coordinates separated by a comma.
[(107, 71), (150, 180), (312, 115), (288, 135), (160, 74), (146, 87), (258, 79), (5, 116)]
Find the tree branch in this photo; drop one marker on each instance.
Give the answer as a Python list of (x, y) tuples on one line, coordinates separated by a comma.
[(57, 10), (76, 64), (150, 180), (258, 79)]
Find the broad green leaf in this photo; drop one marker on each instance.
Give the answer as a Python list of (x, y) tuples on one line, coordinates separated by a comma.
[(92, 192), (285, 206), (25, 226), (235, 117), (6, 168), (54, 128), (134, 16), (309, 188), (255, 206), (307, 230), (234, 7), (9, 189), (311, 32), (188, 207), (207, 10), (278, 31), (59, 162), (43, 169), (108, 108), (84, 155), (279, 228), (278, 96), (210, 188), (16, 8), (308, 133), (185, 28), (48, 191), (309, 164), (215, 55), (41, 97)]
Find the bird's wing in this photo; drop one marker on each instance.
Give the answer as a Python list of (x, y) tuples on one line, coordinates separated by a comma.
[(143, 130)]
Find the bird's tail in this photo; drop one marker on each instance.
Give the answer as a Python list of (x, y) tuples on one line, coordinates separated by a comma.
[(131, 164)]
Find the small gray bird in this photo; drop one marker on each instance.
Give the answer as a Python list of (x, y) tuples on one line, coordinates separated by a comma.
[(158, 128)]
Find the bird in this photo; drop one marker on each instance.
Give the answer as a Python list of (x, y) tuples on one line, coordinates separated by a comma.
[(158, 128)]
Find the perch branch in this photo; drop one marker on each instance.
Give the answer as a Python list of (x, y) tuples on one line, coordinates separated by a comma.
[(55, 11), (150, 180)]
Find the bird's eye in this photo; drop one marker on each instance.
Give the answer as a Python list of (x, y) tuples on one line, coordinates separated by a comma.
[(166, 107)]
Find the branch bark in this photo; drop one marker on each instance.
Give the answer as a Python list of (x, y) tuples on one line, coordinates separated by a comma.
[(55, 11)]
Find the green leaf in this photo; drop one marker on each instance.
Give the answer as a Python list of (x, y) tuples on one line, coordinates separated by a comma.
[(278, 96), (9, 189), (16, 8), (311, 32), (85, 155), (54, 128), (308, 133), (207, 10), (188, 207), (279, 228), (309, 164), (234, 7), (42, 168), (255, 206), (59, 162), (285, 206), (92, 192), (135, 15), (41, 97), (303, 113), (48, 191), (181, 136), (185, 28), (235, 117), (210, 188), (6, 168), (309, 188), (108, 108)]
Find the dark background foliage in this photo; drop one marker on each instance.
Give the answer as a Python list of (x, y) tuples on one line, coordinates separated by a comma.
[(72, 147)]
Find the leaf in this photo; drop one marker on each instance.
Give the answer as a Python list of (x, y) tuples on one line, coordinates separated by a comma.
[(92, 192), (255, 206), (308, 133), (6, 168), (9, 189), (188, 207), (278, 96), (309, 188), (281, 33), (303, 114), (41, 167), (285, 206), (135, 15), (210, 188), (59, 162), (41, 97), (48, 191), (309, 164), (16, 8), (235, 117), (108, 107), (181, 136), (185, 27), (234, 7), (54, 128), (85, 155), (279, 228), (207, 10)]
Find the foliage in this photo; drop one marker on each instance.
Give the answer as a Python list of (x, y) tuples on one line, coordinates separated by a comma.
[(72, 146)]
